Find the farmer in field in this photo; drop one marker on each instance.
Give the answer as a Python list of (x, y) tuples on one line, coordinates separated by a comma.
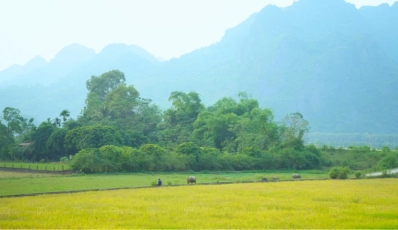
[(159, 182)]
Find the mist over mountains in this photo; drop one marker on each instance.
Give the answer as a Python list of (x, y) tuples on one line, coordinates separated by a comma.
[(335, 64)]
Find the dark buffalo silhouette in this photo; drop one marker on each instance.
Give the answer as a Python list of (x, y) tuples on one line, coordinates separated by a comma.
[(191, 180)]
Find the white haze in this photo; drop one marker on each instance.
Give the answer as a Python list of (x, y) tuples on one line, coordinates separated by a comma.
[(166, 29)]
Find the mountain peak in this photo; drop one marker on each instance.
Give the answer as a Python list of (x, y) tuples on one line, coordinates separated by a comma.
[(37, 60), (323, 2), (117, 49), (143, 53), (74, 51), (324, 6)]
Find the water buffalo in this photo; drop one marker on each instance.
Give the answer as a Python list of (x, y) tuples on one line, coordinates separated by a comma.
[(191, 180), (296, 176)]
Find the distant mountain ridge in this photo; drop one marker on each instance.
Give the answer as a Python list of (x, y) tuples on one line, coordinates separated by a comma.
[(335, 64)]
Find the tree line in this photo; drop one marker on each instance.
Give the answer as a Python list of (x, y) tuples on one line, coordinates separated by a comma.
[(117, 130)]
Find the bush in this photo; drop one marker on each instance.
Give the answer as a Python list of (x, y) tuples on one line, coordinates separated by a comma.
[(339, 172), (358, 174), (86, 161), (388, 162), (64, 159)]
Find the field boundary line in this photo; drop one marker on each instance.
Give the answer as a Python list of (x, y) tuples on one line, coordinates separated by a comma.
[(27, 170), (142, 187)]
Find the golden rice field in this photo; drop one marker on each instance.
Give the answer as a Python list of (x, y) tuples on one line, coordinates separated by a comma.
[(306, 204)]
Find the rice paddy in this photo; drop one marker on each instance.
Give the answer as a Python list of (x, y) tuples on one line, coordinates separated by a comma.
[(306, 204), (21, 183)]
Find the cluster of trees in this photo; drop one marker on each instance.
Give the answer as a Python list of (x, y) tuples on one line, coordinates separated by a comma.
[(118, 130), (360, 157), (13, 131), (185, 156)]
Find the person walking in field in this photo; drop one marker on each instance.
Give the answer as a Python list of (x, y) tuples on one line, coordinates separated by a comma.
[(159, 182)]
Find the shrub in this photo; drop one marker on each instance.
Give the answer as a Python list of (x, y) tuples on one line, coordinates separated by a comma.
[(358, 174), (91, 137), (339, 172), (387, 162), (86, 161), (64, 159)]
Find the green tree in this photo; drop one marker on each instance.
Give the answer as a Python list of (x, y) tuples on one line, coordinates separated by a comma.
[(91, 137), (388, 162), (99, 87), (5, 142), (209, 159), (386, 149), (290, 158), (55, 143), (27, 126), (39, 139), (156, 154), (152, 149), (87, 161), (232, 126), (121, 101), (110, 157), (17, 129), (213, 129), (176, 127), (65, 114), (14, 121), (293, 129), (72, 124), (186, 107), (339, 172), (256, 129), (102, 85), (193, 153), (110, 102), (57, 122)]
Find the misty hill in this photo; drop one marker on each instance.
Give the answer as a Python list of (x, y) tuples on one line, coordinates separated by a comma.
[(320, 58), (66, 89), (383, 22), (38, 71), (333, 63), (11, 74)]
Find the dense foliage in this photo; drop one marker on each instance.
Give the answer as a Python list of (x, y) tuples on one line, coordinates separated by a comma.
[(339, 172), (118, 130)]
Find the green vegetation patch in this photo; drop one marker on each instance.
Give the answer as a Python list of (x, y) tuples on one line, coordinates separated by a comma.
[(33, 184), (36, 166)]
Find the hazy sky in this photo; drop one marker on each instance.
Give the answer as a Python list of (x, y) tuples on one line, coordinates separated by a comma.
[(166, 28)]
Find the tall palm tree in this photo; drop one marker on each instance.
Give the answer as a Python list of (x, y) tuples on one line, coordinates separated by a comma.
[(57, 122), (65, 114)]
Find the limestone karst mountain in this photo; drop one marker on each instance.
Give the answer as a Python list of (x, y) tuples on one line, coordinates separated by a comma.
[(335, 64)]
